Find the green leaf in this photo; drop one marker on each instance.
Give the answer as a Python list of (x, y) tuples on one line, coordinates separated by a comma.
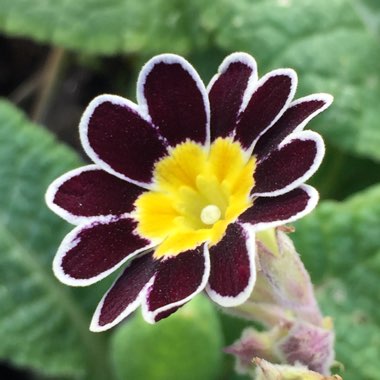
[(369, 10), (232, 329), (332, 49), (106, 26), (186, 346), (328, 45), (341, 174), (43, 323), (340, 245)]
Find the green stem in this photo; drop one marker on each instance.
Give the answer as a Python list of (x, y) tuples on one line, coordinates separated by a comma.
[(50, 74), (27, 88)]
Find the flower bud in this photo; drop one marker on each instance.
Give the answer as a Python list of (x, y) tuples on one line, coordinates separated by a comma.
[(291, 343), (268, 371), (283, 301), (283, 290), (254, 343), (309, 345), (287, 277)]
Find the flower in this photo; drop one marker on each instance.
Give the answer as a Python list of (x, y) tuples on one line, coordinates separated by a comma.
[(182, 180)]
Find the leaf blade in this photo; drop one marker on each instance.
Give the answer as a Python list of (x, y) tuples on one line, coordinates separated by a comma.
[(340, 246), (38, 311)]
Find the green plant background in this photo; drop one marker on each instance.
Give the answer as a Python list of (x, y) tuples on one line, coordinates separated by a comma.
[(333, 44)]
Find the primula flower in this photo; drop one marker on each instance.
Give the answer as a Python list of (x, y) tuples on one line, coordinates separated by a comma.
[(182, 180)]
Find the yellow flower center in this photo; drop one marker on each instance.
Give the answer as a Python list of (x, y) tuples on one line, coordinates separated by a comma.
[(196, 195)]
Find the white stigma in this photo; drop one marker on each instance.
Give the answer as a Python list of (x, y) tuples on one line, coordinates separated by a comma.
[(210, 214)]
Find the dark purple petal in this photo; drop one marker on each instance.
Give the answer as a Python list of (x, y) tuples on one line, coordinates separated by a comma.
[(178, 279), (233, 270), (166, 313), (175, 98), (294, 161), (268, 212), (269, 99), (88, 193), (116, 136), (124, 296), (226, 92), (299, 113), (90, 252)]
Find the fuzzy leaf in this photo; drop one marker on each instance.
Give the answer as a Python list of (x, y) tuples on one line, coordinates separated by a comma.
[(106, 26), (369, 10), (332, 49), (340, 244), (43, 324)]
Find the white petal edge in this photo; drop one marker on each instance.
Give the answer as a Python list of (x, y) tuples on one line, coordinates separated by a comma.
[(70, 241), (253, 87), (171, 59), (150, 316), (241, 57), (229, 301), (54, 187), (94, 325), (301, 135), (83, 133), (326, 98), (311, 204)]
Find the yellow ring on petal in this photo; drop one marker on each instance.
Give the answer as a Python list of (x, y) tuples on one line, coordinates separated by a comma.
[(197, 195)]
